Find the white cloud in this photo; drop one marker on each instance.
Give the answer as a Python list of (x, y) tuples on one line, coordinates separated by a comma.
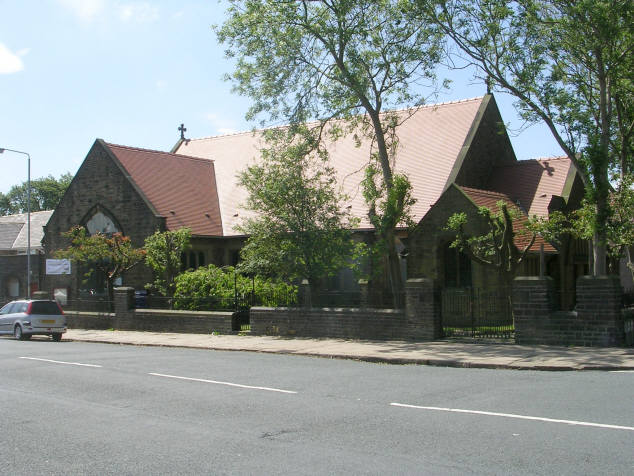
[(222, 125), (85, 10), (11, 62), (140, 12)]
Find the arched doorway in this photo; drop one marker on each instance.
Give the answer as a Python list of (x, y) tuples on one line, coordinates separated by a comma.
[(456, 268)]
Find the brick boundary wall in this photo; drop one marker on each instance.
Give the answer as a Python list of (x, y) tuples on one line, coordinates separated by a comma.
[(597, 321), (344, 323), (126, 318), (420, 320)]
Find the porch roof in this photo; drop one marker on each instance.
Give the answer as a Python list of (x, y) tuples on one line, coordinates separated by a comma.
[(490, 199)]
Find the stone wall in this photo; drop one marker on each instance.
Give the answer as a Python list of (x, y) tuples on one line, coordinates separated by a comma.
[(126, 318), (420, 319), (344, 323), (596, 321)]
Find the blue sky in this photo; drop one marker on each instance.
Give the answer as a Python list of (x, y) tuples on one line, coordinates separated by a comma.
[(131, 72)]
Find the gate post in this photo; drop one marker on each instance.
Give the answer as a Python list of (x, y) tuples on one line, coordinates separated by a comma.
[(124, 308), (422, 310), (363, 287), (305, 294), (533, 302)]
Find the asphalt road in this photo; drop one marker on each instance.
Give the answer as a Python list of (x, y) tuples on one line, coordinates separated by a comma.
[(79, 408)]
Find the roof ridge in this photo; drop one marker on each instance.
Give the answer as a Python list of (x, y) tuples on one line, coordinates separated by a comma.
[(530, 161), (554, 157), (154, 151), (422, 106)]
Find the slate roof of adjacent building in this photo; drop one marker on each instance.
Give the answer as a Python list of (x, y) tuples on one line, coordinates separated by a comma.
[(14, 230), (180, 188), (489, 199), (430, 141)]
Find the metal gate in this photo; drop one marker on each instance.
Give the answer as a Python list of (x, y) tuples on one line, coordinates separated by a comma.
[(476, 313)]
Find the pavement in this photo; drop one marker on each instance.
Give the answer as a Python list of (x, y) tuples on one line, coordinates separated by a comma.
[(490, 355)]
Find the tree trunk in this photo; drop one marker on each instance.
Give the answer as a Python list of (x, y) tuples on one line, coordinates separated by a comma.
[(394, 269), (110, 286), (599, 240)]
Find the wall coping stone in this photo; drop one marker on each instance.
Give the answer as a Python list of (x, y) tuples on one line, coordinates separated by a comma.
[(419, 280), (178, 312), (329, 309), (532, 279), (89, 313), (615, 280)]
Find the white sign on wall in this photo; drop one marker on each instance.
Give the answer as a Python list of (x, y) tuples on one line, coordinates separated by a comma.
[(57, 266)]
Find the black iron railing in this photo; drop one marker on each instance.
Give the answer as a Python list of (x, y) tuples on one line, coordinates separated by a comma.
[(477, 313)]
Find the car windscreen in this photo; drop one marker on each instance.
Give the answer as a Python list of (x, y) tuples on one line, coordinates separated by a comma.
[(45, 307)]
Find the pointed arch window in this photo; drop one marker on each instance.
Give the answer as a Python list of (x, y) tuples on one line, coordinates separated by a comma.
[(102, 223)]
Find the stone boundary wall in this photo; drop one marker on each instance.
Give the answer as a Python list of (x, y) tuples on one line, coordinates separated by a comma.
[(126, 318), (598, 319), (628, 326), (420, 320), (343, 323), (90, 320)]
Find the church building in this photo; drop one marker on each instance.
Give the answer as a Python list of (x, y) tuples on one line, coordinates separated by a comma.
[(457, 156)]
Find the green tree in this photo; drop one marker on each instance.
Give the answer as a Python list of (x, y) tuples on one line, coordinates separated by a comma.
[(345, 59), (163, 254), (298, 229), (620, 226), (46, 193), (111, 255), (496, 247), (569, 64)]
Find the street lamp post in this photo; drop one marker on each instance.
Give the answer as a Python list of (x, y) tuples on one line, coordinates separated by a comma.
[(28, 219)]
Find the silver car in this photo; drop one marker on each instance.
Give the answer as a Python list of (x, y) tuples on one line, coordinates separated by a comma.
[(26, 318)]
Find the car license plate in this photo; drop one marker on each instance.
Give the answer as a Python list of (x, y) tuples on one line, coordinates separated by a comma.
[(48, 321)]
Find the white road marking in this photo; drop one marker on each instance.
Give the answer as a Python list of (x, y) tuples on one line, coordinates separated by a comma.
[(521, 417), (622, 371), (223, 383), (61, 362)]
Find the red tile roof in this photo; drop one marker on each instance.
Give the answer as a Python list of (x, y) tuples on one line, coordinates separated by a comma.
[(489, 199), (532, 183), (430, 141), (181, 188)]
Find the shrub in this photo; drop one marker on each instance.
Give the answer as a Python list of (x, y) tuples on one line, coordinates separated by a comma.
[(211, 287)]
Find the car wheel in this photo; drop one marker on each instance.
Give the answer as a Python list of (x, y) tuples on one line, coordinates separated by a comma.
[(57, 336), (19, 335)]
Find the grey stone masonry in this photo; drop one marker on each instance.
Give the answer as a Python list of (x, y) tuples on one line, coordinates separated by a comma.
[(533, 302), (364, 290), (123, 301), (596, 321), (420, 320), (126, 317), (422, 310)]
